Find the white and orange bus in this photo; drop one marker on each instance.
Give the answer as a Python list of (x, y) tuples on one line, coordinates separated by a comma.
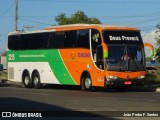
[(81, 54)]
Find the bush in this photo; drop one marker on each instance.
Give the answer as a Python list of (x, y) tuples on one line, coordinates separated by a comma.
[(152, 79)]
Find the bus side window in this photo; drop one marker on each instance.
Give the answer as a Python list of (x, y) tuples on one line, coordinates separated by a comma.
[(24, 43), (47, 40), (35, 41), (83, 39), (70, 39), (99, 57), (17, 42), (58, 40), (11, 42), (95, 42)]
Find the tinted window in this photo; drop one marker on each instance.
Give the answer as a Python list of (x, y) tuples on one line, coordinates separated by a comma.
[(58, 40), (30, 41), (95, 39), (100, 61), (11, 42), (70, 39), (83, 39), (36, 41), (50, 40), (97, 52)]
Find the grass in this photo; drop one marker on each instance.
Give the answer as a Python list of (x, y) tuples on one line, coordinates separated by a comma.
[(3, 75)]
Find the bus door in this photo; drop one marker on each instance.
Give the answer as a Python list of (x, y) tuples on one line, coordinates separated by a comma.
[(97, 57)]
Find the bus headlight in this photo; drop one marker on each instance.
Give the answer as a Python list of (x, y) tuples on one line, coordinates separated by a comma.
[(111, 78), (141, 77)]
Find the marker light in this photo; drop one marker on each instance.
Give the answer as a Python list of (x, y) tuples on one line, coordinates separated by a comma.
[(141, 77)]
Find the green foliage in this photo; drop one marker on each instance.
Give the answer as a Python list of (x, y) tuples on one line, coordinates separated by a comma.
[(3, 75), (78, 17), (148, 59), (158, 53), (152, 79), (157, 38), (158, 26)]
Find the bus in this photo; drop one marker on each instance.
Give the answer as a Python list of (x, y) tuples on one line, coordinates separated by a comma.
[(87, 55)]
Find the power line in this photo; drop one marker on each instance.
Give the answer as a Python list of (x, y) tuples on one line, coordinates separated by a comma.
[(144, 28), (134, 16), (150, 14), (99, 2), (5, 11), (34, 21), (122, 17), (145, 21), (130, 24), (119, 17), (28, 27)]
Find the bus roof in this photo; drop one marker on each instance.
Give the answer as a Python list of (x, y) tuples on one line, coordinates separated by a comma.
[(29, 32), (74, 27), (84, 26)]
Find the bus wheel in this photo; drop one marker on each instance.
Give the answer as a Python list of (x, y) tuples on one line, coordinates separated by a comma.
[(26, 80), (36, 80), (87, 83)]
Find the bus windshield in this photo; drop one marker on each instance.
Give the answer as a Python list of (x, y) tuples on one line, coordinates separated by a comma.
[(125, 58), (125, 51)]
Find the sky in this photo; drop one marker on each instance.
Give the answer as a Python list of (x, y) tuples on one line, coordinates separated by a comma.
[(39, 14)]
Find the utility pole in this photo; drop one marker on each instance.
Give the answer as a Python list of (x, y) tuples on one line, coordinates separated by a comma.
[(28, 27), (16, 16)]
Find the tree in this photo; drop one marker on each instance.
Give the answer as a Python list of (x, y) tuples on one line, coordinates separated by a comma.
[(157, 38), (78, 17)]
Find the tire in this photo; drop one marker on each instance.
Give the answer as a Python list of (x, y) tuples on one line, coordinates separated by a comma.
[(87, 83), (36, 80), (26, 81)]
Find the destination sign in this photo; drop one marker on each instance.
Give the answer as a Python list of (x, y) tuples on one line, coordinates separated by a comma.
[(122, 37)]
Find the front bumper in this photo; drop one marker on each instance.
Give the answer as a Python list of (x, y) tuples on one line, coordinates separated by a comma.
[(123, 82)]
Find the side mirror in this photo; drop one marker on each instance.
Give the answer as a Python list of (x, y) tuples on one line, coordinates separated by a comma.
[(151, 47), (105, 51)]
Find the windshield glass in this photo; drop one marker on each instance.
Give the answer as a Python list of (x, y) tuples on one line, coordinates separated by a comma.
[(125, 50), (125, 58)]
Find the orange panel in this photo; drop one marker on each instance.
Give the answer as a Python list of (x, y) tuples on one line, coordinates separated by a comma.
[(79, 60)]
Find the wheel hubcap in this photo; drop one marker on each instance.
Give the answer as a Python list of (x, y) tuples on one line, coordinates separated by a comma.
[(26, 80), (36, 80), (87, 83)]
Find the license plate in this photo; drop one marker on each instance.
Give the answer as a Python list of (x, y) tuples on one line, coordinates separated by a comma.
[(127, 82)]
